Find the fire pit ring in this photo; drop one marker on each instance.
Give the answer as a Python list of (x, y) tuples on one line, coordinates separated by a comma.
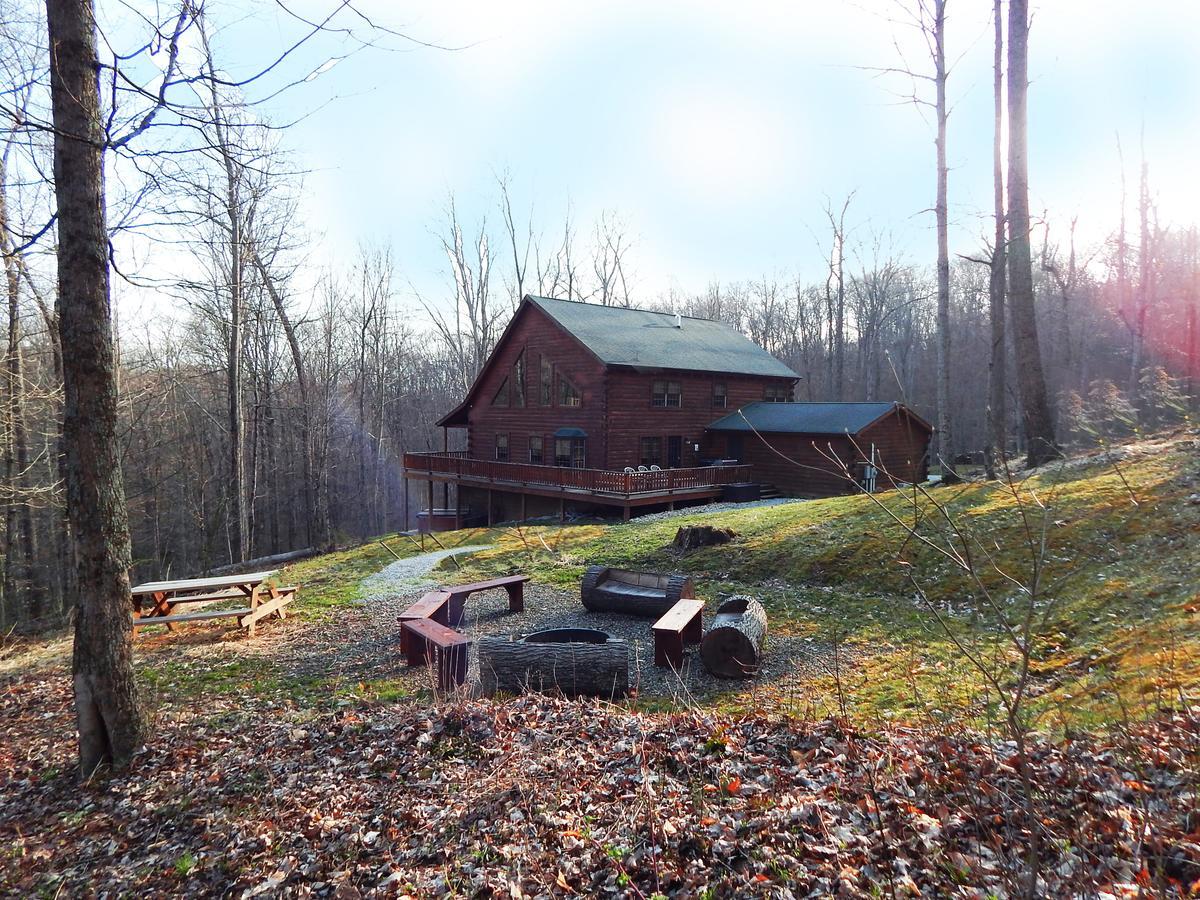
[(568, 636)]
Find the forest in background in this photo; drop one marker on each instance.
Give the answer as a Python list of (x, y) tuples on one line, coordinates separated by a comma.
[(270, 411)]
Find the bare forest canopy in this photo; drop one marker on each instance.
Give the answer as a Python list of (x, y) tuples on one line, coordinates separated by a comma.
[(271, 410)]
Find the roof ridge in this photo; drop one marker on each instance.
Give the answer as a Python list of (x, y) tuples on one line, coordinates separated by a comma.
[(640, 309)]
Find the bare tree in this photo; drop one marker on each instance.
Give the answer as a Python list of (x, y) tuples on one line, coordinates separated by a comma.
[(106, 705), (1042, 444), (997, 282), (835, 299)]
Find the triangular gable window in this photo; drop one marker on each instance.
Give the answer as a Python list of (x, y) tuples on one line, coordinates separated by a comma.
[(501, 398)]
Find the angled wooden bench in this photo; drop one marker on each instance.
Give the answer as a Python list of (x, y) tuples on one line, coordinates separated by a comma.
[(514, 584), (449, 649), (435, 605), (682, 624)]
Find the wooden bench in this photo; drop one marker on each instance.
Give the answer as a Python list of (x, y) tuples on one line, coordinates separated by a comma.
[(435, 605), (682, 624), (458, 593), (274, 602), (449, 648)]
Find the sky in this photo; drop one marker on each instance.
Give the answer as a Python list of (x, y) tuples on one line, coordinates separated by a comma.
[(717, 132)]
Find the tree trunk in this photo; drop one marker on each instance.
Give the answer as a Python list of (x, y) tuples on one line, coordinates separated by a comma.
[(732, 645), (575, 668), (945, 441), (1035, 406), (997, 424), (106, 707)]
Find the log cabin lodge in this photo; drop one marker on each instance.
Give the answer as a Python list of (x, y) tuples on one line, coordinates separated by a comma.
[(589, 409)]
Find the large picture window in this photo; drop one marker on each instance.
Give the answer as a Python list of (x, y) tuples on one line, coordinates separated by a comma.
[(546, 382), (568, 394), (518, 376), (570, 453), (666, 394)]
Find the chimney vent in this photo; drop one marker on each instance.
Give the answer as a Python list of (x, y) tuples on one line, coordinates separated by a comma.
[(678, 320)]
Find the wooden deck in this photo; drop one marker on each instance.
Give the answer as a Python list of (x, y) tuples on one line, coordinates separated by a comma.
[(595, 485)]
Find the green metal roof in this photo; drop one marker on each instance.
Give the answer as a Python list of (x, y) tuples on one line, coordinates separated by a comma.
[(642, 338), (806, 418)]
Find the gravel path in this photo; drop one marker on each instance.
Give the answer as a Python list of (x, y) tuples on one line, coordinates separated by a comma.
[(716, 507), (408, 576)]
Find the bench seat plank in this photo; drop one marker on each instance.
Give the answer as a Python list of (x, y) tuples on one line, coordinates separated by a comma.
[(682, 624), (514, 584), (198, 616), (449, 648)]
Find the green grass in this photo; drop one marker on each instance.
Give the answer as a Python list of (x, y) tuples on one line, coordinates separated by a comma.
[(1118, 630)]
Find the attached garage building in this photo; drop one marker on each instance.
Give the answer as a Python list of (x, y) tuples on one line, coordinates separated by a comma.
[(797, 446)]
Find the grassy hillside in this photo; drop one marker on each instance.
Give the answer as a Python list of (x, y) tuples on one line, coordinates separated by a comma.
[(1115, 540)]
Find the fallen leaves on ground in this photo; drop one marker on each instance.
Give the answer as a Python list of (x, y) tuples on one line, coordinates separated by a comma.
[(541, 797)]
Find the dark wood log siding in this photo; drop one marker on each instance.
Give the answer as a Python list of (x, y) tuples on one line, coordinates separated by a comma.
[(537, 336), (807, 472), (901, 445), (631, 415)]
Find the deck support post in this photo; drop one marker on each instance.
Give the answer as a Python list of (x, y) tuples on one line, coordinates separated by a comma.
[(625, 513), (524, 517), (562, 509), (489, 503), (671, 506), (429, 523)]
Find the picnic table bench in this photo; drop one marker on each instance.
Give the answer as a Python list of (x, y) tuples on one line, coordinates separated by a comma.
[(450, 648), (154, 602), (680, 625)]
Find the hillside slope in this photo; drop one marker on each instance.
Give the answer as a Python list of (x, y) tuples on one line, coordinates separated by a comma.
[(1114, 539)]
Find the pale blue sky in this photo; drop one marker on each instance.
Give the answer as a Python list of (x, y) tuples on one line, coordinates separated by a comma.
[(717, 130)]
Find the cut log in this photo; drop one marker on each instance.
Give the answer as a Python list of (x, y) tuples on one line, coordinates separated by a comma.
[(648, 594), (251, 565), (732, 646), (596, 666), (693, 537)]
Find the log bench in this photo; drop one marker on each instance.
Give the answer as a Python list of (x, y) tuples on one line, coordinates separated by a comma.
[(682, 624), (435, 605), (448, 647), (649, 594), (513, 584)]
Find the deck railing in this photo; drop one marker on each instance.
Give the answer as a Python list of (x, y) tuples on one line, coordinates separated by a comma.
[(595, 481)]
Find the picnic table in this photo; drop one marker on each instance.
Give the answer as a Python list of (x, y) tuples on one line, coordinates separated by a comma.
[(154, 602)]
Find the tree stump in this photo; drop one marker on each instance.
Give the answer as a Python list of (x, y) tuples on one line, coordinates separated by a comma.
[(692, 537), (732, 646), (575, 661)]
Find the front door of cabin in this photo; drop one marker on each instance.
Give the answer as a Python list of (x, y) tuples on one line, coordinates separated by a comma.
[(733, 447), (674, 451)]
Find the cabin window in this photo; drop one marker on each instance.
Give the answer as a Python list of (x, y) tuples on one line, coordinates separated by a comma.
[(535, 449), (651, 451), (720, 398), (568, 394), (518, 375), (502, 447), (546, 385), (570, 453), (501, 398), (666, 394), (777, 394)]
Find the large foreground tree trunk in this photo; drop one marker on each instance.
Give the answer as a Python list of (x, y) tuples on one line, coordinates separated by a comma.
[(1035, 406), (945, 440), (997, 402), (106, 706)]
